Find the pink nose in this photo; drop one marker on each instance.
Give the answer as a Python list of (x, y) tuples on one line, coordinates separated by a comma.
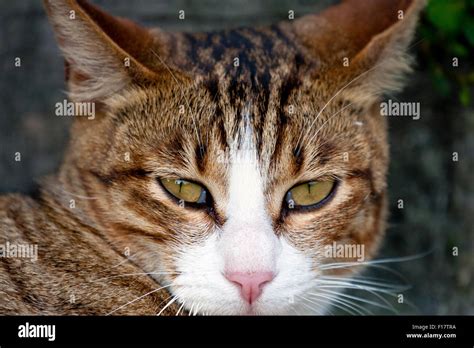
[(250, 284)]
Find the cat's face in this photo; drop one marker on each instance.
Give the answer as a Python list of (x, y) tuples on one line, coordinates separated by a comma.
[(229, 180), (246, 223)]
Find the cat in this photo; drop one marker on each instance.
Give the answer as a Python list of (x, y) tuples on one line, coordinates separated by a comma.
[(218, 169)]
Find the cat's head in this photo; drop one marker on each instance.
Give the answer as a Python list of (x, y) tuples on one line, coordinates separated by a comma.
[(230, 164)]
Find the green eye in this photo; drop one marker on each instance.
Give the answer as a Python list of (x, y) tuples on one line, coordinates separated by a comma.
[(310, 193), (187, 191)]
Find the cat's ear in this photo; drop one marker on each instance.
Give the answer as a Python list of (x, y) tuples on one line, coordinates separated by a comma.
[(103, 53), (363, 43)]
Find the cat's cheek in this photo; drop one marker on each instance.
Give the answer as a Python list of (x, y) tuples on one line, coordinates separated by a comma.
[(352, 218), (368, 227)]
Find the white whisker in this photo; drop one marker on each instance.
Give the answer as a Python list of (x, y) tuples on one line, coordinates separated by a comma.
[(320, 306), (173, 299), (331, 300), (345, 302), (180, 308), (132, 274), (367, 282), (139, 298), (356, 298), (372, 262)]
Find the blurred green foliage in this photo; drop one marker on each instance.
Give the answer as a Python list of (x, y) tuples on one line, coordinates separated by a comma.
[(447, 33)]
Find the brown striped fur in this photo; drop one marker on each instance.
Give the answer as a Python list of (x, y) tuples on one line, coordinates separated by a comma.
[(112, 164)]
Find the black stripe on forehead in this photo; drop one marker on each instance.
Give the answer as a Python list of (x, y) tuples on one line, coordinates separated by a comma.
[(270, 66)]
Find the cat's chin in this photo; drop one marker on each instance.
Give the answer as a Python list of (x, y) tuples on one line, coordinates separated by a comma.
[(265, 307), (297, 309)]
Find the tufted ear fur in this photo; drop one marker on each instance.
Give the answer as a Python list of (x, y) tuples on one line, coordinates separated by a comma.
[(104, 54), (362, 43)]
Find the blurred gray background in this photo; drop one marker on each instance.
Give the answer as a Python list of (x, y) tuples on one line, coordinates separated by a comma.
[(438, 193)]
